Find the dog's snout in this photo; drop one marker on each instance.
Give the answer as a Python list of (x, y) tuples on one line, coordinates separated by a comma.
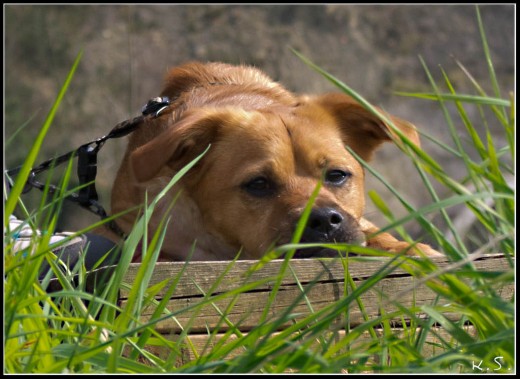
[(329, 225), (324, 221)]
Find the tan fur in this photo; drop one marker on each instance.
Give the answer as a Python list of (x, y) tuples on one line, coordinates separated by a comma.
[(257, 129)]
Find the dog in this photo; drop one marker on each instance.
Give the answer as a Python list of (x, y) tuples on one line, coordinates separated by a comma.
[(269, 148)]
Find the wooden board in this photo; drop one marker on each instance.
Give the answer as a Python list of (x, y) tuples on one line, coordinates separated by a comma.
[(323, 279)]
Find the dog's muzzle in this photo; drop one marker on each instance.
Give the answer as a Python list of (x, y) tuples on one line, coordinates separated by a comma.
[(328, 225)]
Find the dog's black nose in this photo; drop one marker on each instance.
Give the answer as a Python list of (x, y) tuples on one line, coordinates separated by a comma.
[(322, 225), (328, 225)]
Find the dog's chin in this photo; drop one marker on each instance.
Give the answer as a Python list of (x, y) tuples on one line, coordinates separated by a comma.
[(318, 253)]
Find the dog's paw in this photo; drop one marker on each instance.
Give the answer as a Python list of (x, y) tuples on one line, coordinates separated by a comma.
[(418, 249), (387, 242), (426, 250)]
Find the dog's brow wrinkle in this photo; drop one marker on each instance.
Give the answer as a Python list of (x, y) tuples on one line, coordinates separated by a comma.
[(323, 162), (286, 127)]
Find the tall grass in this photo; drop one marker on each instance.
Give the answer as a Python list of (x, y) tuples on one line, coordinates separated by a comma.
[(76, 331)]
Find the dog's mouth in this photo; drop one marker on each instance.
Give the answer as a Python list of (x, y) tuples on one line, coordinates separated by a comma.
[(323, 252)]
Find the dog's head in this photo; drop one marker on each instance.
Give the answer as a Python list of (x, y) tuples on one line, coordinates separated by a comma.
[(248, 192)]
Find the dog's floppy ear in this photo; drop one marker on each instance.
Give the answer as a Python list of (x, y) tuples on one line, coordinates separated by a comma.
[(176, 146), (363, 131)]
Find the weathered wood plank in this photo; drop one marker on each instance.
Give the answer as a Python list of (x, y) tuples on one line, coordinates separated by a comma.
[(202, 275), (247, 311)]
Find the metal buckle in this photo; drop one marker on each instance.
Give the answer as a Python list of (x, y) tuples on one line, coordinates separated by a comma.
[(155, 106)]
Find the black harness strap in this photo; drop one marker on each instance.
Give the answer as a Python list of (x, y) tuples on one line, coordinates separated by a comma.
[(87, 162)]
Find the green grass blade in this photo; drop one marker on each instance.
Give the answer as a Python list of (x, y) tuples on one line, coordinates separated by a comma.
[(470, 99), (487, 55)]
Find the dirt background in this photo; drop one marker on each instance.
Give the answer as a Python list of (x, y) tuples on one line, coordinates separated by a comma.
[(127, 49)]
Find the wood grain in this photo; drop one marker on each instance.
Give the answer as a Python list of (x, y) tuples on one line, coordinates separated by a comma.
[(323, 280)]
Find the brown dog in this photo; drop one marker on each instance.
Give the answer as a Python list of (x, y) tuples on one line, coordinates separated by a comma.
[(269, 148)]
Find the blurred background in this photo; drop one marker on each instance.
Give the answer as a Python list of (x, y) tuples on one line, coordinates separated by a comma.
[(127, 50)]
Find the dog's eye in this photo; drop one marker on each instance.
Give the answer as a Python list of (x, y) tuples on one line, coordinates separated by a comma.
[(337, 177), (259, 187)]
